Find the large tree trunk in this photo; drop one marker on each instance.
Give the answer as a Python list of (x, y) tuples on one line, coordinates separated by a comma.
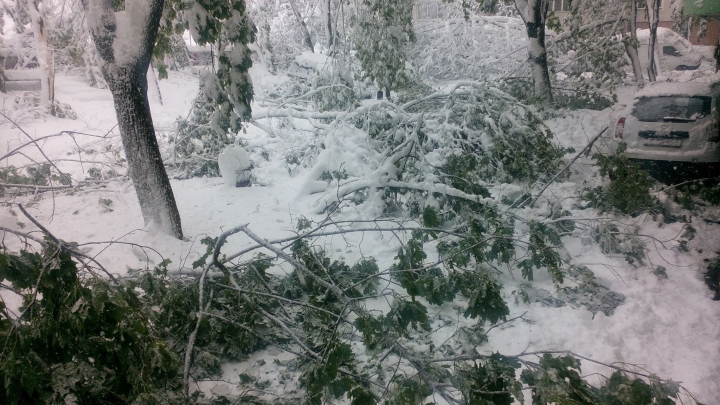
[(126, 75), (631, 47), (303, 27), (145, 165), (653, 7), (533, 13)]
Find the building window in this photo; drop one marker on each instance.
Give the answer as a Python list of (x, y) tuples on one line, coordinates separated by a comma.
[(642, 5), (560, 5)]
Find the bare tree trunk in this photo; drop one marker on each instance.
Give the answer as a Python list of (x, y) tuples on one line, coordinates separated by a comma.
[(126, 76), (2, 68), (717, 56), (328, 26), (303, 27), (533, 13), (631, 46), (44, 58), (653, 7), (145, 165), (151, 72)]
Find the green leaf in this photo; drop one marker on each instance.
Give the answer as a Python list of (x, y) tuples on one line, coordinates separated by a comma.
[(484, 295), (490, 381), (409, 392), (430, 217), (372, 330), (404, 314), (362, 396)]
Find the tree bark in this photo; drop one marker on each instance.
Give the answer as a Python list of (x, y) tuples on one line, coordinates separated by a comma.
[(653, 7), (2, 69), (328, 26), (44, 58), (151, 73), (534, 13), (126, 76), (631, 46), (303, 27), (145, 165)]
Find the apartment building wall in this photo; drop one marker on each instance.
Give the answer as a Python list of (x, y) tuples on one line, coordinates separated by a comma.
[(561, 8), (436, 9)]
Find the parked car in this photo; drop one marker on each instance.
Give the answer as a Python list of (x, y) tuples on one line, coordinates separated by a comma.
[(674, 127), (672, 50)]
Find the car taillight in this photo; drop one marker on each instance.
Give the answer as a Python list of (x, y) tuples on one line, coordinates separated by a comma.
[(619, 128)]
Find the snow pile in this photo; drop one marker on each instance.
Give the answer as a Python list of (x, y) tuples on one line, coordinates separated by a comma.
[(235, 165), (665, 36)]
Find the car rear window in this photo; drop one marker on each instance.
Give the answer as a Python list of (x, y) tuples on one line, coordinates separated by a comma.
[(672, 108)]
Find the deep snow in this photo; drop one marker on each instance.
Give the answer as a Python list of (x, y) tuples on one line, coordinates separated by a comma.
[(669, 327)]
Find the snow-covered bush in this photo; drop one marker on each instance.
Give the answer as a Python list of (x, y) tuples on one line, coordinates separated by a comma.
[(323, 80), (27, 106), (587, 54), (85, 341), (235, 165), (483, 48), (628, 190), (195, 146), (383, 31)]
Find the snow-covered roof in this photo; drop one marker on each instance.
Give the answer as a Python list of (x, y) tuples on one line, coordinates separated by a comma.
[(678, 89)]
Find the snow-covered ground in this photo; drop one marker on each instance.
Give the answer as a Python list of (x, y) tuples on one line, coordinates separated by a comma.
[(666, 326)]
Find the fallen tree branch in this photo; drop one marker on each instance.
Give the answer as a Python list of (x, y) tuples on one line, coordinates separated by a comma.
[(567, 166), (34, 140), (78, 255), (65, 176)]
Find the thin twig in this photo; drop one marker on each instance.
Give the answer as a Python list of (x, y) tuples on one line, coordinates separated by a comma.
[(65, 176), (73, 252)]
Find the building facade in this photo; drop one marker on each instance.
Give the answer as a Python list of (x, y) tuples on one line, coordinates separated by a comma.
[(562, 7)]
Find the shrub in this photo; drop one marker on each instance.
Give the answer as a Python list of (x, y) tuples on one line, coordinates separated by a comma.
[(628, 190), (78, 339)]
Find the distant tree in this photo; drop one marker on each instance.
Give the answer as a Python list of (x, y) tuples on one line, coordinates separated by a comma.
[(587, 55), (384, 27), (301, 22), (327, 14), (263, 13), (36, 13), (631, 43), (653, 9), (534, 14), (2, 52)]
